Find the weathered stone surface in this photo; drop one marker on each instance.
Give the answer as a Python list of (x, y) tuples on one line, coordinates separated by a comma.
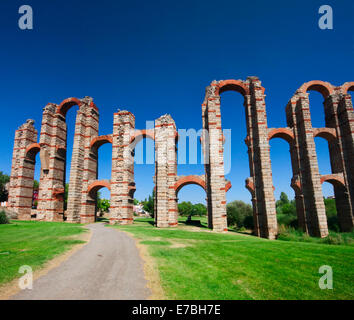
[(83, 185)]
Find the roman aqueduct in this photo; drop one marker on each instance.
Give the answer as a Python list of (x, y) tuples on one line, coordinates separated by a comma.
[(83, 183)]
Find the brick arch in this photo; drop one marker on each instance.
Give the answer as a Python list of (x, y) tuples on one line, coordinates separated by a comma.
[(231, 85), (67, 104), (329, 134), (333, 179), (32, 150), (142, 134), (100, 141), (191, 179), (97, 185), (325, 88), (348, 86), (283, 133)]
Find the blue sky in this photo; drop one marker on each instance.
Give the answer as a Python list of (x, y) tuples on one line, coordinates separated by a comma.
[(157, 57)]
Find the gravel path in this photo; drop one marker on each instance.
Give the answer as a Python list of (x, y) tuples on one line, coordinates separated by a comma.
[(108, 267)]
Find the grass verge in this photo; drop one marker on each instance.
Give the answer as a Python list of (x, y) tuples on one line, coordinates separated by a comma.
[(195, 263), (33, 243)]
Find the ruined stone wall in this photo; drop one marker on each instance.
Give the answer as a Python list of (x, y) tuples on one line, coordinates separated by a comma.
[(83, 185), (22, 172)]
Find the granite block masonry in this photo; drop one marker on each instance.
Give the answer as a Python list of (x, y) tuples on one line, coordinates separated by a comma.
[(51, 146)]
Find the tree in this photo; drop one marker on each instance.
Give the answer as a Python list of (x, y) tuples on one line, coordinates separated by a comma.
[(35, 184), (185, 208), (66, 192), (148, 205), (283, 199), (103, 204), (239, 214), (200, 209), (4, 179)]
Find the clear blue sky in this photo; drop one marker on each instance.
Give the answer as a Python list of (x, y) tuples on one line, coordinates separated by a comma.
[(157, 57)]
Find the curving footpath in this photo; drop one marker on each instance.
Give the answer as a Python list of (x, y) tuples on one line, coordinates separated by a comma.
[(108, 267)]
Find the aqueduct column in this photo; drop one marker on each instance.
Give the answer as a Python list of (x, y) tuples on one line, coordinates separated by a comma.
[(310, 181), (22, 172), (90, 174), (345, 132), (260, 156), (214, 160), (166, 212), (52, 154), (86, 124), (122, 178)]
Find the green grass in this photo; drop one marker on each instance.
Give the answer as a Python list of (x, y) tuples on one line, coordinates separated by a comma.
[(206, 265), (33, 243)]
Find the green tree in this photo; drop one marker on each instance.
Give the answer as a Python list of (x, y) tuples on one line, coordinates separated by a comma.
[(35, 184), (103, 204), (200, 209), (148, 204), (286, 211), (239, 214), (331, 212), (185, 208), (4, 179), (66, 192)]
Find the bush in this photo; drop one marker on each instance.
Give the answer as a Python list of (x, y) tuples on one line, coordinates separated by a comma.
[(239, 214), (334, 238), (190, 209), (3, 218)]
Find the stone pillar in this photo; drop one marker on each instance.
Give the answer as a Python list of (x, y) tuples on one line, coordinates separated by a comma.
[(84, 114), (52, 155), (122, 178), (310, 177), (166, 212), (295, 165), (214, 167), (205, 148), (22, 172), (90, 173), (260, 151), (345, 132)]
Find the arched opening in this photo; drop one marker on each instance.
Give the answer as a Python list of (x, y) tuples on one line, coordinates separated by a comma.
[(317, 109), (348, 88), (142, 145), (190, 159), (69, 111), (338, 209), (282, 173), (101, 152), (236, 161), (32, 166), (191, 198), (96, 206)]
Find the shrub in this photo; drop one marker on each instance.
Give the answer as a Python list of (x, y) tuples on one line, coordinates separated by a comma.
[(239, 214), (3, 218)]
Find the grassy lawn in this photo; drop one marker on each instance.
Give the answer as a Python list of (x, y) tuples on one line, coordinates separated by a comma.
[(198, 264), (33, 243)]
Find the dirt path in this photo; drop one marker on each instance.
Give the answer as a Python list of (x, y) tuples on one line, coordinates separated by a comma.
[(108, 267)]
